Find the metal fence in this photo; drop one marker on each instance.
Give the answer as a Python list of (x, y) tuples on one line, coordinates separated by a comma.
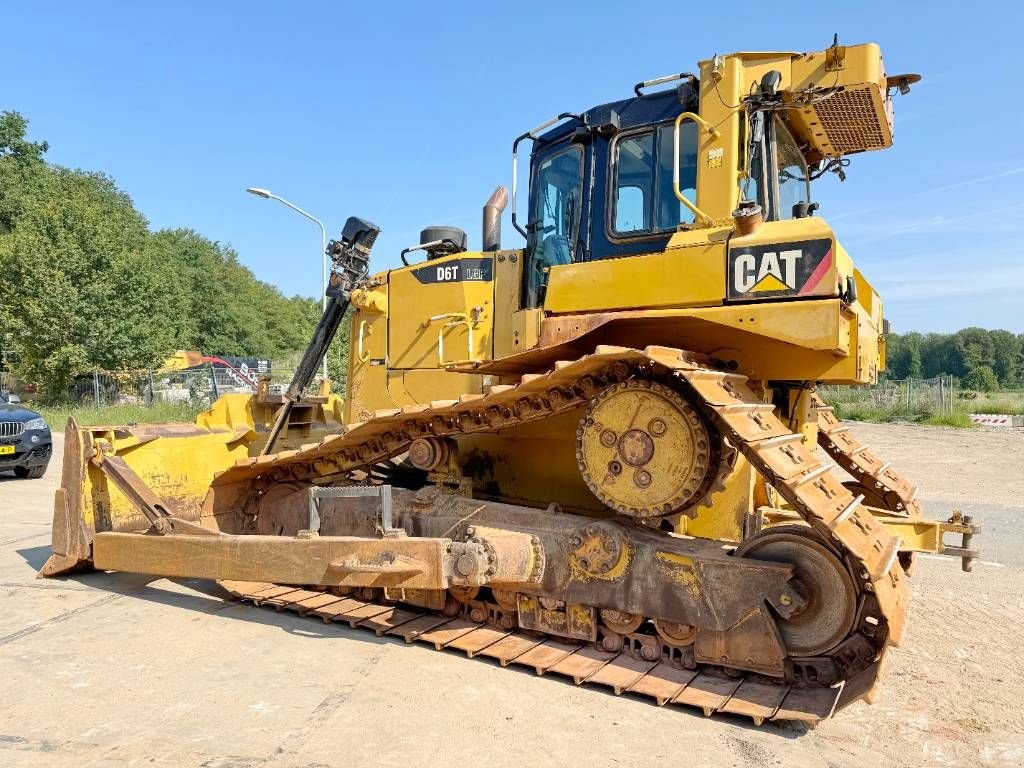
[(192, 386), (900, 397)]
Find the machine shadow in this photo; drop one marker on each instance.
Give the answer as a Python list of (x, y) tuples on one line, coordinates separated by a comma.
[(34, 556)]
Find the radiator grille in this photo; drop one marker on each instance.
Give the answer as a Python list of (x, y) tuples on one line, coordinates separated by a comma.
[(851, 121), (11, 428)]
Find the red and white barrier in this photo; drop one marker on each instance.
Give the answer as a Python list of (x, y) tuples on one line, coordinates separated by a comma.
[(996, 420)]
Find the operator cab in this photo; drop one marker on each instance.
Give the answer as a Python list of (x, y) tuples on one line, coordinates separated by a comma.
[(601, 183)]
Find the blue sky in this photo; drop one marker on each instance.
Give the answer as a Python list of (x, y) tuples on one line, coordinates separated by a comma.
[(405, 114)]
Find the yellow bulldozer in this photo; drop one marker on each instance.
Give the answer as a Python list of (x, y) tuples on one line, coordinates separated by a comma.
[(594, 455)]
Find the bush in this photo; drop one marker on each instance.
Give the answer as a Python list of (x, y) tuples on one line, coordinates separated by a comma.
[(982, 378)]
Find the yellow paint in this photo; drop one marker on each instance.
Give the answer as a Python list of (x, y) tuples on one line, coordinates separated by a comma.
[(533, 464), (367, 373), (722, 516), (423, 386), (802, 418), (724, 84), (177, 467), (508, 277), (680, 569), (690, 272), (917, 535), (615, 573)]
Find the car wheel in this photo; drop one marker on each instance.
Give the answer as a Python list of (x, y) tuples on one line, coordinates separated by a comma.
[(31, 473)]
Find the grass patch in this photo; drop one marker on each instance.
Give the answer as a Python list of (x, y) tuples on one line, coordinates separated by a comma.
[(958, 419), (1010, 403), (56, 414), (859, 411)]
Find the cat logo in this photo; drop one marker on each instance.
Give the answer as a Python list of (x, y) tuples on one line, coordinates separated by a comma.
[(784, 269)]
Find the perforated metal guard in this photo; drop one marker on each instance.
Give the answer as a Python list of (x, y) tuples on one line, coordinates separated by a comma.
[(853, 120)]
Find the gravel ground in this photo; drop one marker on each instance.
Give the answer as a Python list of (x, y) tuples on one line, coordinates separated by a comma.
[(122, 670)]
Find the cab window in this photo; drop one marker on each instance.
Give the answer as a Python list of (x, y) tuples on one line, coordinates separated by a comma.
[(778, 174), (554, 217), (794, 185), (644, 202)]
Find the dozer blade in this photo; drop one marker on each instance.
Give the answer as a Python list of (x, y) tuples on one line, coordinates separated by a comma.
[(114, 475), (71, 543)]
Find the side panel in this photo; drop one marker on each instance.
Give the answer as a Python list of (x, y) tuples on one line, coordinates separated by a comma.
[(423, 386), (685, 275), (508, 287), (446, 311), (782, 260)]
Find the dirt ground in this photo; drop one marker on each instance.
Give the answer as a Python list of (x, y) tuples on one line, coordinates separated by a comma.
[(120, 670)]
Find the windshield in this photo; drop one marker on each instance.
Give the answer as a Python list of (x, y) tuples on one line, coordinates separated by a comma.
[(554, 216)]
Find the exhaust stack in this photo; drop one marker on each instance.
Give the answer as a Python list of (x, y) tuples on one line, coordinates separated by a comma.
[(493, 209)]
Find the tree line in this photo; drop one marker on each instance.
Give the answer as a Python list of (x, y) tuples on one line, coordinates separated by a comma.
[(982, 359), (85, 283)]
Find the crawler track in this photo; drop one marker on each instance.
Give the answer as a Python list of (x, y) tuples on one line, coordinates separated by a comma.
[(749, 425), (896, 492), (660, 682)]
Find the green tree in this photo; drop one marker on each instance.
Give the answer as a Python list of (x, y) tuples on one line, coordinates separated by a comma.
[(1006, 357), (975, 348), (903, 355), (982, 379), (13, 143), (939, 356), (94, 288), (1020, 359), (75, 268)]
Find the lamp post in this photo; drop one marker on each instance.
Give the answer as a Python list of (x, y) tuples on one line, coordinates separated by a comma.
[(268, 195)]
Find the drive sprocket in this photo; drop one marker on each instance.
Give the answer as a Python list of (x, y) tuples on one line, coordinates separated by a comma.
[(644, 451)]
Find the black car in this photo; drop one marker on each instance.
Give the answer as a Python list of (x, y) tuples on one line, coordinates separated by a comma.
[(25, 442)]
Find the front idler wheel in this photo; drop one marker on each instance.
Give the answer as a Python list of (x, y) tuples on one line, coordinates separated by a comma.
[(820, 577)]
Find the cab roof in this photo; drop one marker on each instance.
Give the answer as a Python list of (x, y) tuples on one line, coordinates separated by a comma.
[(632, 112)]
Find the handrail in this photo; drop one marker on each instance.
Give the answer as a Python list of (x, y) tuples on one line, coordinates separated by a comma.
[(530, 134), (702, 218), (658, 81), (458, 318)]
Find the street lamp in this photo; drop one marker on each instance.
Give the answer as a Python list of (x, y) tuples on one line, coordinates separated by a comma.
[(266, 194)]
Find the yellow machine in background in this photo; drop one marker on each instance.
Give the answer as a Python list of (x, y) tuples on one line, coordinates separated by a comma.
[(604, 438)]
